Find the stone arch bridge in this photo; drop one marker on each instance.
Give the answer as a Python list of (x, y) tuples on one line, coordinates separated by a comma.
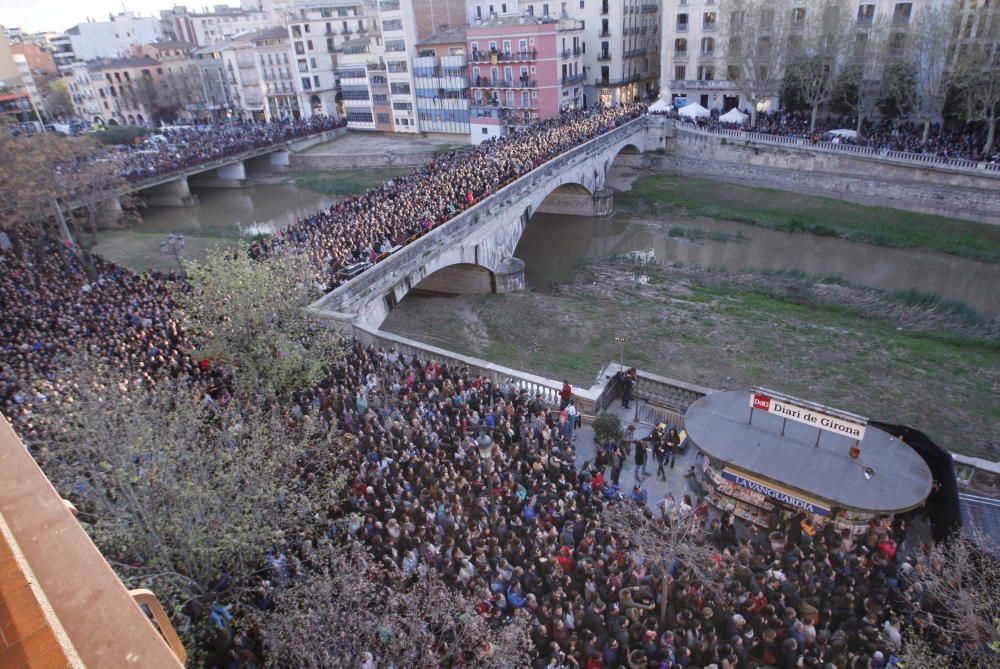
[(473, 252)]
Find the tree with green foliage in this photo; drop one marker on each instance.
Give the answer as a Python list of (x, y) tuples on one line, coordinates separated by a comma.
[(55, 99), (251, 315)]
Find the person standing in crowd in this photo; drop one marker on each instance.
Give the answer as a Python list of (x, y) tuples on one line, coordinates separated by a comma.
[(640, 458), (673, 445), (627, 384), (565, 394)]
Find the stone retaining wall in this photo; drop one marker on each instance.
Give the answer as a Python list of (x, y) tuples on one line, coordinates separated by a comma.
[(861, 179)]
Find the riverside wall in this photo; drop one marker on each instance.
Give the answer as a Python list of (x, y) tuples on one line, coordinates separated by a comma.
[(928, 189)]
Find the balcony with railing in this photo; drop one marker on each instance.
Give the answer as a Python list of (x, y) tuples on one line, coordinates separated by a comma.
[(501, 56), (604, 56), (623, 81), (571, 79), (569, 53)]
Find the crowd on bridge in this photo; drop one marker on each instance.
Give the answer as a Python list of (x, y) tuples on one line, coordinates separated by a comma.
[(365, 228), (521, 526), (965, 143), (175, 149)]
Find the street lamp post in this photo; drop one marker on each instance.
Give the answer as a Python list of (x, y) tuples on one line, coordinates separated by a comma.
[(621, 339), (173, 244)]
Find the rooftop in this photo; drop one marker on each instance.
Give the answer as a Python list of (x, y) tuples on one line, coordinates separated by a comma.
[(718, 425), (449, 36), (121, 63)]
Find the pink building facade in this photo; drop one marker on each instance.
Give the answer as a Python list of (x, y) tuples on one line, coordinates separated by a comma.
[(522, 70)]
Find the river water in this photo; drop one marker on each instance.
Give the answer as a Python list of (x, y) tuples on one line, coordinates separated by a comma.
[(553, 245)]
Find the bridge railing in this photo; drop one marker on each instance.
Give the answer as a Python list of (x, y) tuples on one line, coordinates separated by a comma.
[(651, 390), (411, 256), (902, 157), (213, 163)]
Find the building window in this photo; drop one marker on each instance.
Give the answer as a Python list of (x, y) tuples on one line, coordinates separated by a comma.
[(359, 116), (380, 99), (383, 119), (680, 72), (866, 14), (682, 22), (306, 84), (392, 24), (901, 14)]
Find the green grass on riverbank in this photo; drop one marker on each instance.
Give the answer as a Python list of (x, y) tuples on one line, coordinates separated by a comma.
[(892, 357), (343, 183), (794, 212)]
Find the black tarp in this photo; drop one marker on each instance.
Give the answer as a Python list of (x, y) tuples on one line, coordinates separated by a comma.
[(943, 508)]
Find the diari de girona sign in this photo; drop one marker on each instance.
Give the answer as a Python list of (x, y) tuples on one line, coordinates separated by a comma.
[(807, 416)]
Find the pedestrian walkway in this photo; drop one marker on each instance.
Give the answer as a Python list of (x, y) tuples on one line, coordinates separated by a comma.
[(656, 488)]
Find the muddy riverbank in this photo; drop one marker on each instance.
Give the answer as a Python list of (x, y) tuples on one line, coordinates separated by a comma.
[(930, 365)]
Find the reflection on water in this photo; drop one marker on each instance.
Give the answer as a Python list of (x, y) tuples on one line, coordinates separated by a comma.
[(221, 212), (553, 245)]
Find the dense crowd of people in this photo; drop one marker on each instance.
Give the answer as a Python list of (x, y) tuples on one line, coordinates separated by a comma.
[(883, 135), (174, 149), (363, 229), (514, 523)]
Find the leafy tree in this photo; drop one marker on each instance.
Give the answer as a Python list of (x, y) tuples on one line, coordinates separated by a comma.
[(121, 134), (55, 98), (920, 68), (251, 314), (860, 83), (180, 493), (348, 606), (977, 67), (817, 53), (43, 178)]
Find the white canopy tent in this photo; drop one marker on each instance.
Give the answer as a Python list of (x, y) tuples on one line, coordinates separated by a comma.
[(734, 115), (660, 106), (694, 110)]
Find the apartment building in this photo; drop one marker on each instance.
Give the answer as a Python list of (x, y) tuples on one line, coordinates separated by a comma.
[(397, 25), (318, 31), (123, 89), (82, 93), (696, 32), (114, 38), (213, 27), (522, 69), (441, 83), (261, 75), (218, 103)]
